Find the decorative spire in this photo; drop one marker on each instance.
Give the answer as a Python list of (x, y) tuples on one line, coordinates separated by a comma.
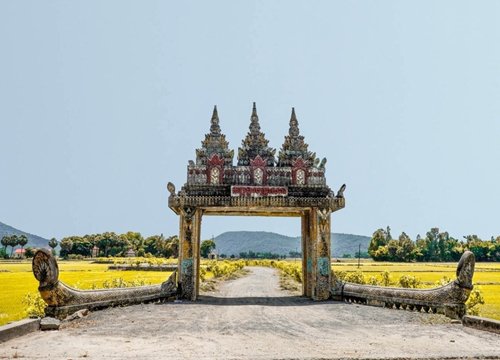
[(294, 125), (255, 143), (215, 143), (294, 145), (215, 128), (254, 121)]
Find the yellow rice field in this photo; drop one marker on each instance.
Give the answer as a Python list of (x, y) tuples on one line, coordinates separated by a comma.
[(486, 277), (16, 280)]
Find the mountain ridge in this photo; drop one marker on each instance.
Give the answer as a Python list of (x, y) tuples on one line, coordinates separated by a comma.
[(33, 240), (235, 242)]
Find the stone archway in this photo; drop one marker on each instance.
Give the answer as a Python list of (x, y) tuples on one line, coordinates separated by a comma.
[(315, 225), (292, 185)]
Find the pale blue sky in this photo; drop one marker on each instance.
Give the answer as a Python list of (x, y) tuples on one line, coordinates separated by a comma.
[(103, 102)]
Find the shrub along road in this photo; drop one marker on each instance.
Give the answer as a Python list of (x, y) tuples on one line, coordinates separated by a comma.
[(252, 318)]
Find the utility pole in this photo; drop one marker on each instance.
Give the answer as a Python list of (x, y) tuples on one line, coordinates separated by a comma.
[(359, 255)]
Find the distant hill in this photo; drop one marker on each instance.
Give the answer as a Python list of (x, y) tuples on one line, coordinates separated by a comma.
[(235, 242), (33, 240)]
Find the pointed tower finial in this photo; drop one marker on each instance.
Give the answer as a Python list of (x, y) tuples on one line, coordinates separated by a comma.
[(215, 143), (294, 145), (214, 127), (254, 121), (255, 143), (294, 125)]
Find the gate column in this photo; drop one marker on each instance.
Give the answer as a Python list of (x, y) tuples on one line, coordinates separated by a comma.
[(189, 252), (307, 251), (321, 258)]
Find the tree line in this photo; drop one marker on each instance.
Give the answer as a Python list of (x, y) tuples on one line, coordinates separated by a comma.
[(14, 240), (112, 244), (435, 246)]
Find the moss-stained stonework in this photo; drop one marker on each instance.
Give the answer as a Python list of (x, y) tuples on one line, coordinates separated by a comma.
[(63, 300), (260, 185)]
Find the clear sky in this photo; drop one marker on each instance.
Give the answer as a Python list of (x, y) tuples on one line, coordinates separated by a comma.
[(103, 102)]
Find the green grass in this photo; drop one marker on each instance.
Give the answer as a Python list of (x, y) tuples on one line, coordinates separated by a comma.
[(16, 280)]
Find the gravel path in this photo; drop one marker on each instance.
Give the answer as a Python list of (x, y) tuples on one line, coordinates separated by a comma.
[(251, 318)]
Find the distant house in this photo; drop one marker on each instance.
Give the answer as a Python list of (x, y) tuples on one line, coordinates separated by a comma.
[(19, 253), (213, 255), (130, 253), (95, 251)]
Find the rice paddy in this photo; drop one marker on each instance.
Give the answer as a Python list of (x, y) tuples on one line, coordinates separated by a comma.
[(17, 280)]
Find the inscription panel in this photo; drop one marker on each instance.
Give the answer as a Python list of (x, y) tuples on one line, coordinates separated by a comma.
[(258, 191)]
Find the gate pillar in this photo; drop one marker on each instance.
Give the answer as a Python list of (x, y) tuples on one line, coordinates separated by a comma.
[(307, 255), (319, 227), (189, 252)]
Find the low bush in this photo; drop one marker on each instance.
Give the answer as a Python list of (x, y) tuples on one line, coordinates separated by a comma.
[(35, 306), (224, 268), (409, 281)]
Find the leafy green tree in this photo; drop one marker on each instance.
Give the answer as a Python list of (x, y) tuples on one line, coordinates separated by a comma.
[(29, 253), (66, 246), (481, 249), (206, 247), (157, 245), (388, 235), (13, 242), (23, 240), (379, 239), (173, 246), (135, 240), (382, 254), (392, 250), (432, 244), (406, 248), (108, 241), (5, 242), (53, 243)]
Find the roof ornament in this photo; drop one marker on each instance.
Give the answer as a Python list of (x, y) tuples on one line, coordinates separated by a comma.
[(214, 127), (295, 146), (215, 143), (255, 143)]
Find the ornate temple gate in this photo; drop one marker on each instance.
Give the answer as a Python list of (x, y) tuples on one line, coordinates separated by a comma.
[(292, 186), (259, 185)]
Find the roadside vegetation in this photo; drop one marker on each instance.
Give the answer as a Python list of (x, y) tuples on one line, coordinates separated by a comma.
[(435, 246), (484, 299), (19, 297), (426, 262)]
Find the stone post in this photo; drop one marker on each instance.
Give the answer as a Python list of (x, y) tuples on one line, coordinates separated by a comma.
[(307, 261), (320, 238), (189, 252)]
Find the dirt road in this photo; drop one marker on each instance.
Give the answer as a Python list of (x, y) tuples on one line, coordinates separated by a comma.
[(251, 318)]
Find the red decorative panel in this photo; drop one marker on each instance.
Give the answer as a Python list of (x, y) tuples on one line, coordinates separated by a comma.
[(215, 173), (215, 160), (258, 191), (299, 172), (258, 162), (258, 171)]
